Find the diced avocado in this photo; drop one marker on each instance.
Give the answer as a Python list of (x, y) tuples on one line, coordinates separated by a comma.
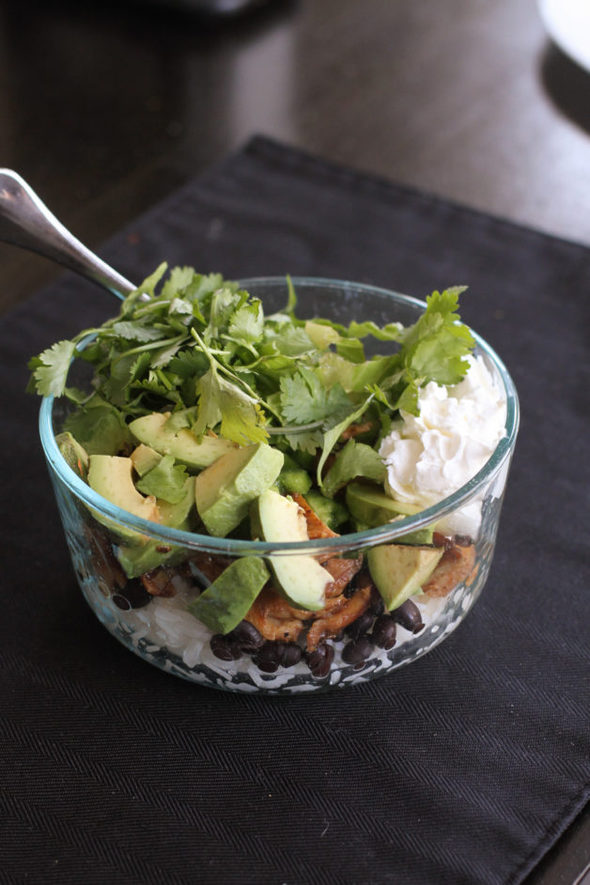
[(420, 537), (137, 561), (399, 570), (73, 453), (111, 476), (299, 577), (152, 430), (224, 490), (330, 511), (144, 459), (373, 507), (176, 515), (293, 478), (227, 600)]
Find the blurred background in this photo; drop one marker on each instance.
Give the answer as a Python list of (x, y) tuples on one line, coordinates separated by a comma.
[(105, 107)]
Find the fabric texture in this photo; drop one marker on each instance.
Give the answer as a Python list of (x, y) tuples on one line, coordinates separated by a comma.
[(462, 768)]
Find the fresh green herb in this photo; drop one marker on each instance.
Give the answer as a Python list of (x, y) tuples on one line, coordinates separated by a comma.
[(202, 348), (166, 480), (355, 459)]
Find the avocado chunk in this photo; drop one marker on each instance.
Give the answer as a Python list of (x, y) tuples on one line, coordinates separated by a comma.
[(111, 476), (152, 430), (73, 453), (144, 459), (422, 537), (228, 599), (330, 511), (372, 507), (136, 561), (224, 490), (399, 570), (293, 478), (299, 577)]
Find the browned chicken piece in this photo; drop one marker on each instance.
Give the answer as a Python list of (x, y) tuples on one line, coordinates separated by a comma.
[(455, 565), (357, 429), (343, 612), (274, 618), (159, 582), (342, 571), (315, 527)]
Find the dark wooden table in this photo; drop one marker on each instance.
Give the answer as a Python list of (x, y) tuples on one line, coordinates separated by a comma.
[(107, 107)]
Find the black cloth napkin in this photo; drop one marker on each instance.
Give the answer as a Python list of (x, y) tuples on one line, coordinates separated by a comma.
[(465, 766)]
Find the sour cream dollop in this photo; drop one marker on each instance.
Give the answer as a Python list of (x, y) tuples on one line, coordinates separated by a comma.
[(431, 455)]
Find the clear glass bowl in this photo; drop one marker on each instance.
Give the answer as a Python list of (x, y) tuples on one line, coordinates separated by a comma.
[(300, 658)]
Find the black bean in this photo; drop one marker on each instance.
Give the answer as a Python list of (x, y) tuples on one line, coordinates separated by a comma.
[(121, 602), (320, 660), (359, 627), (376, 605), (384, 631), (224, 648), (268, 657), (133, 595), (463, 540), (440, 540), (247, 636), (408, 616), (289, 653), (357, 651)]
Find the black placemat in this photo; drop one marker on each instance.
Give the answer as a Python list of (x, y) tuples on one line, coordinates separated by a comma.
[(462, 768)]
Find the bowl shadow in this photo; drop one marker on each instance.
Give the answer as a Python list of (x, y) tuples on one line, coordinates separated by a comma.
[(567, 84)]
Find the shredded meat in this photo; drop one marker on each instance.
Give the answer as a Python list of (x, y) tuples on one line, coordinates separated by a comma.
[(455, 565), (159, 582), (315, 527), (274, 618), (342, 571), (357, 429), (339, 616)]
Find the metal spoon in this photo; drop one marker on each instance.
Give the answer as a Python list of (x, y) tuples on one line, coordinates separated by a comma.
[(26, 221)]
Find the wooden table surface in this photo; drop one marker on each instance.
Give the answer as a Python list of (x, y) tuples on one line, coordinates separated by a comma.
[(107, 107)]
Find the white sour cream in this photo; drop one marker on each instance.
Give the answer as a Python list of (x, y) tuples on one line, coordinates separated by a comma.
[(431, 455)]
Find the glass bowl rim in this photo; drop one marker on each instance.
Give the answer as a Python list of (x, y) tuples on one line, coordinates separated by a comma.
[(339, 544)]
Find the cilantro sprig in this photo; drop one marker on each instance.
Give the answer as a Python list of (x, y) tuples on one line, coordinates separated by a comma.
[(200, 347)]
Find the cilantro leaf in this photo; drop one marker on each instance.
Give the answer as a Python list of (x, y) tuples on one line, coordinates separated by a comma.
[(222, 401), (50, 368), (435, 346), (166, 480), (390, 332), (355, 459), (355, 377), (135, 331), (290, 341), (247, 323), (332, 436), (304, 399), (99, 428)]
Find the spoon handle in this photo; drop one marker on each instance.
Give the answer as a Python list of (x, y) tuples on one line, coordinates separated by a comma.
[(27, 222)]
